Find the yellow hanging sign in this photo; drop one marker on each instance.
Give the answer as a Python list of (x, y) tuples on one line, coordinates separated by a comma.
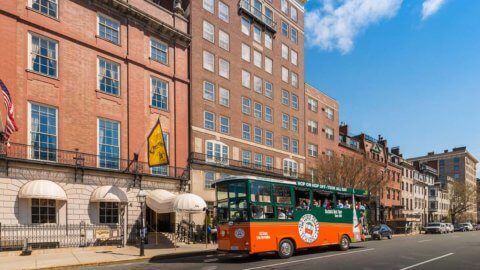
[(157, 152)]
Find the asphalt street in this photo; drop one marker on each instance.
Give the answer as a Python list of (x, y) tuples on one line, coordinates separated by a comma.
[(460, 250)]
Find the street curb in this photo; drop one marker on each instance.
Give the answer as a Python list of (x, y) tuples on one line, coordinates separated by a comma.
[(142, 259)]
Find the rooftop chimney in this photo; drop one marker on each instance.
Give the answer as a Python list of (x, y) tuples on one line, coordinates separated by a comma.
[(343, 129), (445, 151), (431, 153)]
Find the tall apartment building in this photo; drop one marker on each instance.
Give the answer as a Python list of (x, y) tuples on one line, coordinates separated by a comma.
[(89, 79), (321, 135), (247, 90), (439, 201), (458, 164)]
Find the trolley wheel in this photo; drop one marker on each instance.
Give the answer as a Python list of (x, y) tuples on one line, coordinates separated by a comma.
[(285, 249), (344, 243)]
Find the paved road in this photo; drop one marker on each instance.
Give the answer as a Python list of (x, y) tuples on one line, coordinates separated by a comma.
[(451, 251)]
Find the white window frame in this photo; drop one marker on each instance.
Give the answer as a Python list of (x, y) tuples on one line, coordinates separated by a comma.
[(329, 112), (268, 40), (224, 99), (257, 34), (222, 15), (268, 116), (208, 31), (151, 93), (257, 84), (269, 92), (221, 159), (119, 76), (329, 133), (244, 26), (244, 132), (246, 78), (246, 52), (209, 5), (205, 82), (257, 58), (294, 57), (222, 125), (205, 173), (223, 68), (205, 120), (30, 5), (30, 54), (245, 107), (119, 141), (29, 124), (207, 65), (285, 51), (258, 110), (166, 52), (285, 73), (112, 19), (269, 141), (255, 137), (224, 40), (312, 150), (268, 65), (290, 168)]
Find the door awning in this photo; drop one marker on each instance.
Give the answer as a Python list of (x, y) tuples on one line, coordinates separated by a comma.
[(109, 194), (160, 201), (189, 203), (42, 189)]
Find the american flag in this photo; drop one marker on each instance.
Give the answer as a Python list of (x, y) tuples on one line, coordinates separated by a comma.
[(10, 126)]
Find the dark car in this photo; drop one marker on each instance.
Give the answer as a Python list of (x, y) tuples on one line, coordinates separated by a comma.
[(459, 228), (381, 231)]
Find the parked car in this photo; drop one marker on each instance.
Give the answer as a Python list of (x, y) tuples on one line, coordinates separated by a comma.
[(378, 232), (459, 228), (435, 227), (468, 226), (450, 228)]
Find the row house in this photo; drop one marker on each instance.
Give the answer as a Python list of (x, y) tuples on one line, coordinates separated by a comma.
[(89, 80), (439, 201)]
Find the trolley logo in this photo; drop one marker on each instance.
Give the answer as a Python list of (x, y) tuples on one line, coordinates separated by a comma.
[(239, 233), (263, 236), (335, 212), (308, 228)]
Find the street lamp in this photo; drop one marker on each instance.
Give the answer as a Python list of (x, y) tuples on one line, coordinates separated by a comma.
[(142, 197)]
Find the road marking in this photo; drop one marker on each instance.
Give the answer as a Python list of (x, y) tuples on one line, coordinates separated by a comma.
[(210, 260), (427, 261), (309, 259), (421, 241)]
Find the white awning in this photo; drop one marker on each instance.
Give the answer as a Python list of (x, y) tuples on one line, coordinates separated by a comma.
[(189, 203), (160, 201), (42, 189), (108, 194)]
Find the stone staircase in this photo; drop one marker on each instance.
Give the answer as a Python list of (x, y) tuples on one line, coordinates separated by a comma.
[(161, 240)]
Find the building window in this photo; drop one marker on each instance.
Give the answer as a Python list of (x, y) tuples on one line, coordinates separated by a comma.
[(224, 97), (268, 41), (329, 133), (246, 103), (285, 120), (258, 161), (43, 132), (246, 26), (285, 74), (159, 94), (109, 144), (285, 143), (208, 61), (246, 79), (284, 51), (43, 55), (257, 84), (46, 7), (224, 40), (257, 59), (294, 124), (284, 29), (294, 57), (223, 11), (294, 79), (313, 150), (268, 65), (245, 52), (268, 114), (268, 89), (163, 170), (285, 97), (258, 135), (109, 29), (208, 31), (329, 112), (268, 138), (293, 13), (246, 158), (209, 179), (246, 131), (217, 152), (290, 168), (224, 124), (209, 120), (294, 35), (257, 34), (208, 91), (108, 212), (269, 162), (44, 211), (257, 110), (158, 51), (295, 146), (284, 6), (295, 102), (208, 6), (312, 126), (312, 104), (109, 77), (224, 68), (329, 153)]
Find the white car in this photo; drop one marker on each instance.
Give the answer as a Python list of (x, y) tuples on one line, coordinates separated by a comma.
[(450, 228), (468, 226), (435, 227)]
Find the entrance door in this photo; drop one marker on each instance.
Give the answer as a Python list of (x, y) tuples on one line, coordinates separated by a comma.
[(160, 222)]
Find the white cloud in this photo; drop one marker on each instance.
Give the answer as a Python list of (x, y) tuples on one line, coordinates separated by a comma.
[(335, 23), (430, 7)]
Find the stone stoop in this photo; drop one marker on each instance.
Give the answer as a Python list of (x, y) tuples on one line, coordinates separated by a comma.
[(162, 240)]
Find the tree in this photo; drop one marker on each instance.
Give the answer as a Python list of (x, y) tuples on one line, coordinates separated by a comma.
[(462, 199)]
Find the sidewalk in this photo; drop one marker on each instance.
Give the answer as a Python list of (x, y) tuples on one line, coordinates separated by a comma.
[(74, 257)]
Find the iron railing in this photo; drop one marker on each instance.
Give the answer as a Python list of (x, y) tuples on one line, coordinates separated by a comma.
[(257, 15), (247, 167), (77, 159)]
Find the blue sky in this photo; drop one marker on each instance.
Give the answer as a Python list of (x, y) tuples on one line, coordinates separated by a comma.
[(409, 70)]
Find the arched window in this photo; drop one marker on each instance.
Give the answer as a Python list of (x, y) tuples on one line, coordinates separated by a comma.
[(290, 167)]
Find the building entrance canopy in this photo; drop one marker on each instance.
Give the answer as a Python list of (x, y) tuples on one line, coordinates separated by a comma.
[(109, 194), (162, 201), (42, 189)]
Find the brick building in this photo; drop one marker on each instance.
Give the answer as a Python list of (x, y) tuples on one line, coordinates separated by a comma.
[(89, 80), (321, 135), (247, 90)]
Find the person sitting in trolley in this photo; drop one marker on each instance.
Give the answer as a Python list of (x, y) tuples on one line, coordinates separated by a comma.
[(326, 204), (317, 203), (258, 213), (339, 204), (281, 214), (347, 204)]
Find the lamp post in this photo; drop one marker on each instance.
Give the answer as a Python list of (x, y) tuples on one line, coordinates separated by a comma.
[(141, 197)]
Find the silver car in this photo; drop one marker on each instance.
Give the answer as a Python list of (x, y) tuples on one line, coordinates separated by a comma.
[(450, 228), (468, 226)]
